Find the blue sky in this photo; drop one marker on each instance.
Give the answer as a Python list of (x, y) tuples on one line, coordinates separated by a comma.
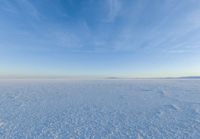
[(126, 38)]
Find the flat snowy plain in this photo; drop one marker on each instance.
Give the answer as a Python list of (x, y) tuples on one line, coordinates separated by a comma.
[(136, 109)]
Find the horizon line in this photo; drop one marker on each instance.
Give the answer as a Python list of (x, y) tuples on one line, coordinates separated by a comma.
[(97, 77)]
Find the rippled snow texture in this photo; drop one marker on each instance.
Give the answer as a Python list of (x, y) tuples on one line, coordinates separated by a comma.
[(136, 109)]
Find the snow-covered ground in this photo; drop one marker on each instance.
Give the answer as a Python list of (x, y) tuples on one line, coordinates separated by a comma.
[(136, 109)]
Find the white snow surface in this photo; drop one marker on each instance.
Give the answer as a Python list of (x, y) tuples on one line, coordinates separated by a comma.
[(118, 109)]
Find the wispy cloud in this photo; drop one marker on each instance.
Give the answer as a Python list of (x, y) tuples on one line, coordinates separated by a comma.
[(22, 7), (140, 26), (29, 8), (113, 9)]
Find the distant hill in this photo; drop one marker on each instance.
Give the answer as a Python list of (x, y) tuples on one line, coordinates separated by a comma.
[(191, 77)]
